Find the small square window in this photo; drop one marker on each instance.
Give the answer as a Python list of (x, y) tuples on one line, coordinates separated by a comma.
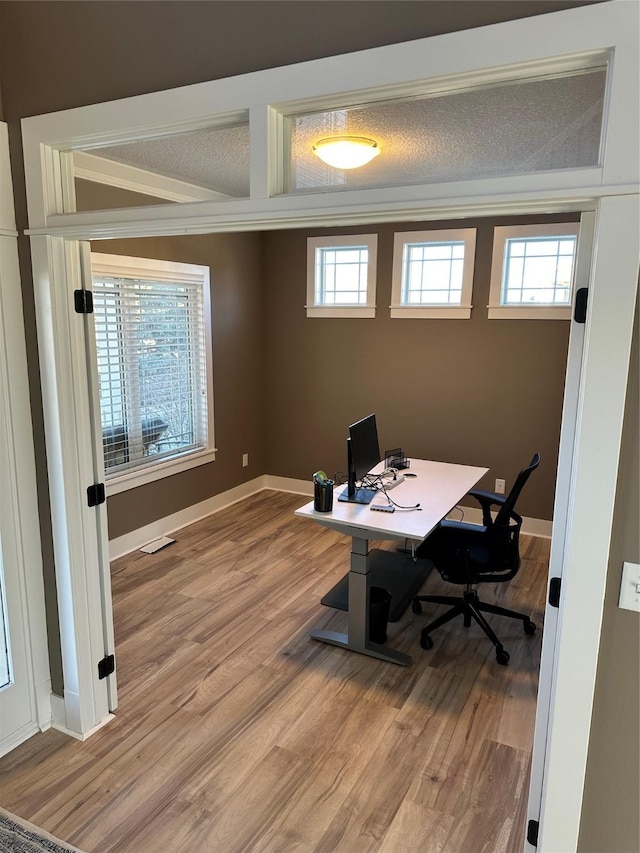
[(433, 273), (532, 271), (341, 276)]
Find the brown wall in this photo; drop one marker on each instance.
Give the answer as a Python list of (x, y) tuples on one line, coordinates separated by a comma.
[(94, 196), (48, 51), (238, 365), (612, 785), (478, 392)]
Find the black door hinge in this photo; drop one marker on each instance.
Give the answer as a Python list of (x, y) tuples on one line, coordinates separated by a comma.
[(580, 308), (83, 301), (533, 828), (96, 494), (106, 666), (554, 591)]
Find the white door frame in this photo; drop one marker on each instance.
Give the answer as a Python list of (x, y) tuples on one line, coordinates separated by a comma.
[(19, 521), (588, 34)]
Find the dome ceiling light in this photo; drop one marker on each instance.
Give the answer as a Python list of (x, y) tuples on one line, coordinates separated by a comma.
[(346, 152)]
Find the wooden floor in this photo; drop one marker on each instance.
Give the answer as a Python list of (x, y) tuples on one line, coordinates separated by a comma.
[(236, 732)]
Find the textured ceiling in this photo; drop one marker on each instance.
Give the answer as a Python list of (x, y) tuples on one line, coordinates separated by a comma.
[(217, 158), (520, 127), (527, 126)]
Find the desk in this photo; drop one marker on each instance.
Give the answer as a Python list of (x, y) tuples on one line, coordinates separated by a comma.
[(438, 487)]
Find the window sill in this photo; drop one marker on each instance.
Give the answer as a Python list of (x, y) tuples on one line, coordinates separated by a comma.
[(522, 312), (367, 311), (141, 476), (433, 312)]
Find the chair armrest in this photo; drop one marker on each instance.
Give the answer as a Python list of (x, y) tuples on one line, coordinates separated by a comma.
[(486, 501), (462, 527)]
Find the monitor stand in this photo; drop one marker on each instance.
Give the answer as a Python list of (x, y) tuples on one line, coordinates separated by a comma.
[(390, 570), (359, 496)]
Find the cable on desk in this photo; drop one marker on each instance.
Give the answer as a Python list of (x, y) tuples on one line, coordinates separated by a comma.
[(397, 505)]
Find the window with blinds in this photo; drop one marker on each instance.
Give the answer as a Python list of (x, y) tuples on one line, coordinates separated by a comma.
[(153, 353)]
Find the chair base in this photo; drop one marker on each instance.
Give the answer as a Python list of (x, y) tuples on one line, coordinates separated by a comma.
[(470, 607)]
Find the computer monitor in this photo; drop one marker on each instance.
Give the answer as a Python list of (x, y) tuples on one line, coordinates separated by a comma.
[(363, 453)]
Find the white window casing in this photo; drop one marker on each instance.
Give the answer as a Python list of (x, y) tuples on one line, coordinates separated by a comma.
[(153, 343), (557, 266), (341, 276), (433, 274)]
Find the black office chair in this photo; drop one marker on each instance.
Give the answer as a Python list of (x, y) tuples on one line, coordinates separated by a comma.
[(470, 554)]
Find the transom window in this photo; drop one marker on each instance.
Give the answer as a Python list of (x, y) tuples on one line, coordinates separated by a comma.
[(153, 356), (433, 273), (341, 276), (532, 270)]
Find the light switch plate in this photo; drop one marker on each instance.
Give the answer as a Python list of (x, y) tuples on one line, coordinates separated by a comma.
[(630, 587)]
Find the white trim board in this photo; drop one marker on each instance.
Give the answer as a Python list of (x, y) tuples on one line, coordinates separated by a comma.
[(59, 720), (129, 542), (99, 170), (134, 540)]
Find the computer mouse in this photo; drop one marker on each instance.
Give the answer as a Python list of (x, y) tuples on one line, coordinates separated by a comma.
[(410, 474)]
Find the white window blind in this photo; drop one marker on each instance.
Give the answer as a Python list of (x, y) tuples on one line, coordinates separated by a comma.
[(152, 368)]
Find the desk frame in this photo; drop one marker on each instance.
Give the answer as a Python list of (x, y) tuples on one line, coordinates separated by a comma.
[(438, 487), (358, 626)]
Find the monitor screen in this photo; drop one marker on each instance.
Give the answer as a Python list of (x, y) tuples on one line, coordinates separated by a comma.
[(365, 449)]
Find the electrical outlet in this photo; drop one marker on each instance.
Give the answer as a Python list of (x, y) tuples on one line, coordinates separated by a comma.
[(245, 460), (499, 489), (630, 587)]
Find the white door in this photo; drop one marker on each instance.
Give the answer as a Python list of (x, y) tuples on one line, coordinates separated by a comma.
[(25, 688), (18, 719), (97, 456), (560, 518)]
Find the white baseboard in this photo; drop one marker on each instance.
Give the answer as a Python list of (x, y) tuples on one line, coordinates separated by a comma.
[(59, 720), (163, 526), (143, 535), (287, 484), (16, 738)]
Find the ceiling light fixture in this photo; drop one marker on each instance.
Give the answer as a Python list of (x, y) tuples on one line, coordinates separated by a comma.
[(346, 152)]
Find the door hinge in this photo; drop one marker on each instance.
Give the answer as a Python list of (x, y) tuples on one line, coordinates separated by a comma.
[(580, 308), (106, 666), (96, 494), (533, 828), (83, 301), (554, 591)]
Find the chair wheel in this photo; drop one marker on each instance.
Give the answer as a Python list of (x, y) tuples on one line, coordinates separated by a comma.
[(426, 642), (416, 606), (502, 657), (529, 627)]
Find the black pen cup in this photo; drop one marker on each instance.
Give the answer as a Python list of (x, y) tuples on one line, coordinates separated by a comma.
[(323, 496)]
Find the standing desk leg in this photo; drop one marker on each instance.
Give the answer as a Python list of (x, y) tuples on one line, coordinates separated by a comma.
[(358, 628)]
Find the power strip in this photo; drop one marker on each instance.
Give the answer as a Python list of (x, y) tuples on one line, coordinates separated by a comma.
[(391, 484)]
